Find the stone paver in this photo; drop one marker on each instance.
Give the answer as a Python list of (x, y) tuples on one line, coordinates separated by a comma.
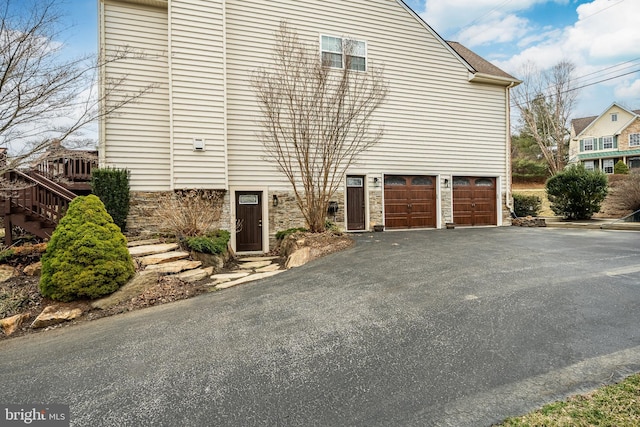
[(139, 251), (144, 242), (163, 257), (246, 279), (226, 277), (271, 267), (191, 276), (174, 267), (253, 264), (257, 258)]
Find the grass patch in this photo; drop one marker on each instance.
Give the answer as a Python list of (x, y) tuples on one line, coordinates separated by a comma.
[(614, 405)]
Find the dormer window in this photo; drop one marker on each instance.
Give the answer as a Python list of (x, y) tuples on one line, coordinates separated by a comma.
[(614, 117)]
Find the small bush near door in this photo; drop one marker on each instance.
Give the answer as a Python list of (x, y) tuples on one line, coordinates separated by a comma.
[(212, 243), (577, 193), (190, 213), (524, 205)]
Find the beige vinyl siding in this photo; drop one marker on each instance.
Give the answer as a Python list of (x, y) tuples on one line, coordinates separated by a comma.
[(138, 134), (603, 126), (197, 70), (435, 120)]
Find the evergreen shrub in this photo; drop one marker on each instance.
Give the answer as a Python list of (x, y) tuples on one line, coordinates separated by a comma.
[(87, 255), (211, 243), (112, 187), (524, 205), (577, 193)]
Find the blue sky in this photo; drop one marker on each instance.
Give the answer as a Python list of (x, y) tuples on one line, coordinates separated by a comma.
[(602, 37)]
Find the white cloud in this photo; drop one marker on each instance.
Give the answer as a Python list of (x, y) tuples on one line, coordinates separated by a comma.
[(629, 90), (503, 29), (447, 15)]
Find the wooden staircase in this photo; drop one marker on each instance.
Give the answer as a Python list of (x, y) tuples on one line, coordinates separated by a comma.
[(34, 203), (37, 199)]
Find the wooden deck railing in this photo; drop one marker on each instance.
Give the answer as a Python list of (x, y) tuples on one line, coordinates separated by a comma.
[(68, 167), (39, 203)]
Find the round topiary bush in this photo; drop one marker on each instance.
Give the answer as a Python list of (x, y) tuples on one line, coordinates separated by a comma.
[(87, 256)]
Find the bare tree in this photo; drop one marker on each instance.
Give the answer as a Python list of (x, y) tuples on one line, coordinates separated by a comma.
[(316, 119), (546, 101), (45, 98)]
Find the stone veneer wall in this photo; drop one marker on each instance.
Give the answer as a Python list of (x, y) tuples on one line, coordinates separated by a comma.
[(144, 206)]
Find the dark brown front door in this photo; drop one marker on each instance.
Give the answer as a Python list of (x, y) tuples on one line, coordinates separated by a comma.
[(249, 216), (474, 201), (409, 201), (355, 203)]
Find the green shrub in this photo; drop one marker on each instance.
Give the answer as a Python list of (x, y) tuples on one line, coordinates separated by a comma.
[(524, 205), (7, 254), (280, 235), (211, 243), (577, 193), (87, 255), (112, 187), (620, 168)]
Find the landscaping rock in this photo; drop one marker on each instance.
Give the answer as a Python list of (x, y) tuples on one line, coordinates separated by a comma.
[(133, 288), (174, 266), (53, 314), (33, 269), (6, 272), (11, 324), (528, 221), (144, 242), (272, 267), (257, 258), (246, 279), (210, 260), (298, 258), (195, 275), (163, 257), (227, 277), (140, 251), (254, 264)]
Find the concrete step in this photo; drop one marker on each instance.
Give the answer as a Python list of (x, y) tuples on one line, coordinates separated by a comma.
[(163, 257), (174, 267), (144, 250)]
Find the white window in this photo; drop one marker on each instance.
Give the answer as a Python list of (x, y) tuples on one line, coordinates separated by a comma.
[(614, 117), (607, 142), (589, 165), (634, 140), (588, 144), (338, 52), (607, 166)]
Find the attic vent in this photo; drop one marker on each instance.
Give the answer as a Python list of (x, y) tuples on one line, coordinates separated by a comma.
[(198, 144)]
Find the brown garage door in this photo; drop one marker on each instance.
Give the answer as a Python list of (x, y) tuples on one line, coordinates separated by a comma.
[(409, 201), (474, 201)]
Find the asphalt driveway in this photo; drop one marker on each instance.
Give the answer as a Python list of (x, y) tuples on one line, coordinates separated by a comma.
[(456, 327)]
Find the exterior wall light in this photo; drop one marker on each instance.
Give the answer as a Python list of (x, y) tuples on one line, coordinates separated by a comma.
[(446, 183), (275, 201)]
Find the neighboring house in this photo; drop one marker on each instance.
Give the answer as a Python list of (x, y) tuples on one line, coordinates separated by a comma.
[(444, 156), (599, 142)]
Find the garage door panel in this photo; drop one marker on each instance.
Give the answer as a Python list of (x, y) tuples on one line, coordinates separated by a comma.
[(474, 201), (410, 201)]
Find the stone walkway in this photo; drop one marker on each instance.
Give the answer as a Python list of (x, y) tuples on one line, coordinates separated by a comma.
[(168, 259)]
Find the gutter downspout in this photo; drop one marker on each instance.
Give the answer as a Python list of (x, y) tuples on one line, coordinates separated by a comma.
[(170, 70), (508, 147), (102, 126)]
